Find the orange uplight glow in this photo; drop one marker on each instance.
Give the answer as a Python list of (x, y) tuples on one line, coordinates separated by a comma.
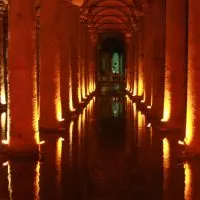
[(188, 182), (135, 90), (71, 107), (190, 119), (166, 163), (141, 79), (35, 106), (167, 105), (83, 84), (58, 101), (167, 91), (3, 125)]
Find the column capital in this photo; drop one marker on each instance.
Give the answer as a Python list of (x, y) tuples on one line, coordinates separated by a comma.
[(3, 7)]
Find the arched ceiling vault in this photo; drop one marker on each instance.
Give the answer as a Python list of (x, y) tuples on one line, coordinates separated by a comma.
[(120, 16)]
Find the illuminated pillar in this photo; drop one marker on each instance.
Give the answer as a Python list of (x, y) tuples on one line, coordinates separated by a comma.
[(135, 66), (128, 62), (85, 58), (175, 63), (2, 67), (65, 57), (22, 104), (92, 62), (87, 61), (158, 59), (75, 54), (141, 63), (193, 98), (82, 63), (148, 53), (50, 103)]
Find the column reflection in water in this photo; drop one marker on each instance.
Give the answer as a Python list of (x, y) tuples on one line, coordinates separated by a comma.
[(188, 182), (59, 145), (116, 107), (141, 129), (71, 130), (37, 182), (23, 179), (166, 164), (9, 182)]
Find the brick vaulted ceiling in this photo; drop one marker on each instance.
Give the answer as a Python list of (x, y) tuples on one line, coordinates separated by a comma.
[(112, 15)]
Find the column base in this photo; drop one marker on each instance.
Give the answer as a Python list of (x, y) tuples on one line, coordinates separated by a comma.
[(47, 125), (193, 150), (22, 149), (167, 126)]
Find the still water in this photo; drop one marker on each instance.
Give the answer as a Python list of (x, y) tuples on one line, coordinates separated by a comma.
[(108, 152)]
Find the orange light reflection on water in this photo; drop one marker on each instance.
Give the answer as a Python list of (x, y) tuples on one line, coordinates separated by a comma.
[(71, 129), (166, 163), (188, 182), (59, 158), (37, 181), (10, 190)]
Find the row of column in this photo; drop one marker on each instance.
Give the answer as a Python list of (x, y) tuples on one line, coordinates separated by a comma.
[(168, 48), (66, 70)]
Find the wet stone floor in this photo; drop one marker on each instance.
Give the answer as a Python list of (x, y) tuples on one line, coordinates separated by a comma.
[(107, 152)]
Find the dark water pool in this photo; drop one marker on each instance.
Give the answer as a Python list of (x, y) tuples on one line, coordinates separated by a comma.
[(108, 152)]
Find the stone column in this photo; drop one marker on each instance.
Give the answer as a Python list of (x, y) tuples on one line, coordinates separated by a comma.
[(141, 63), (2, 68), (128, 63), (23, 135), (158, 62), (135, 67), (82, 60), (50, 103), (86, 62), (193, 98), (148, 43), (75, 53), (175, 64), (65, 55), (92, 61)]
